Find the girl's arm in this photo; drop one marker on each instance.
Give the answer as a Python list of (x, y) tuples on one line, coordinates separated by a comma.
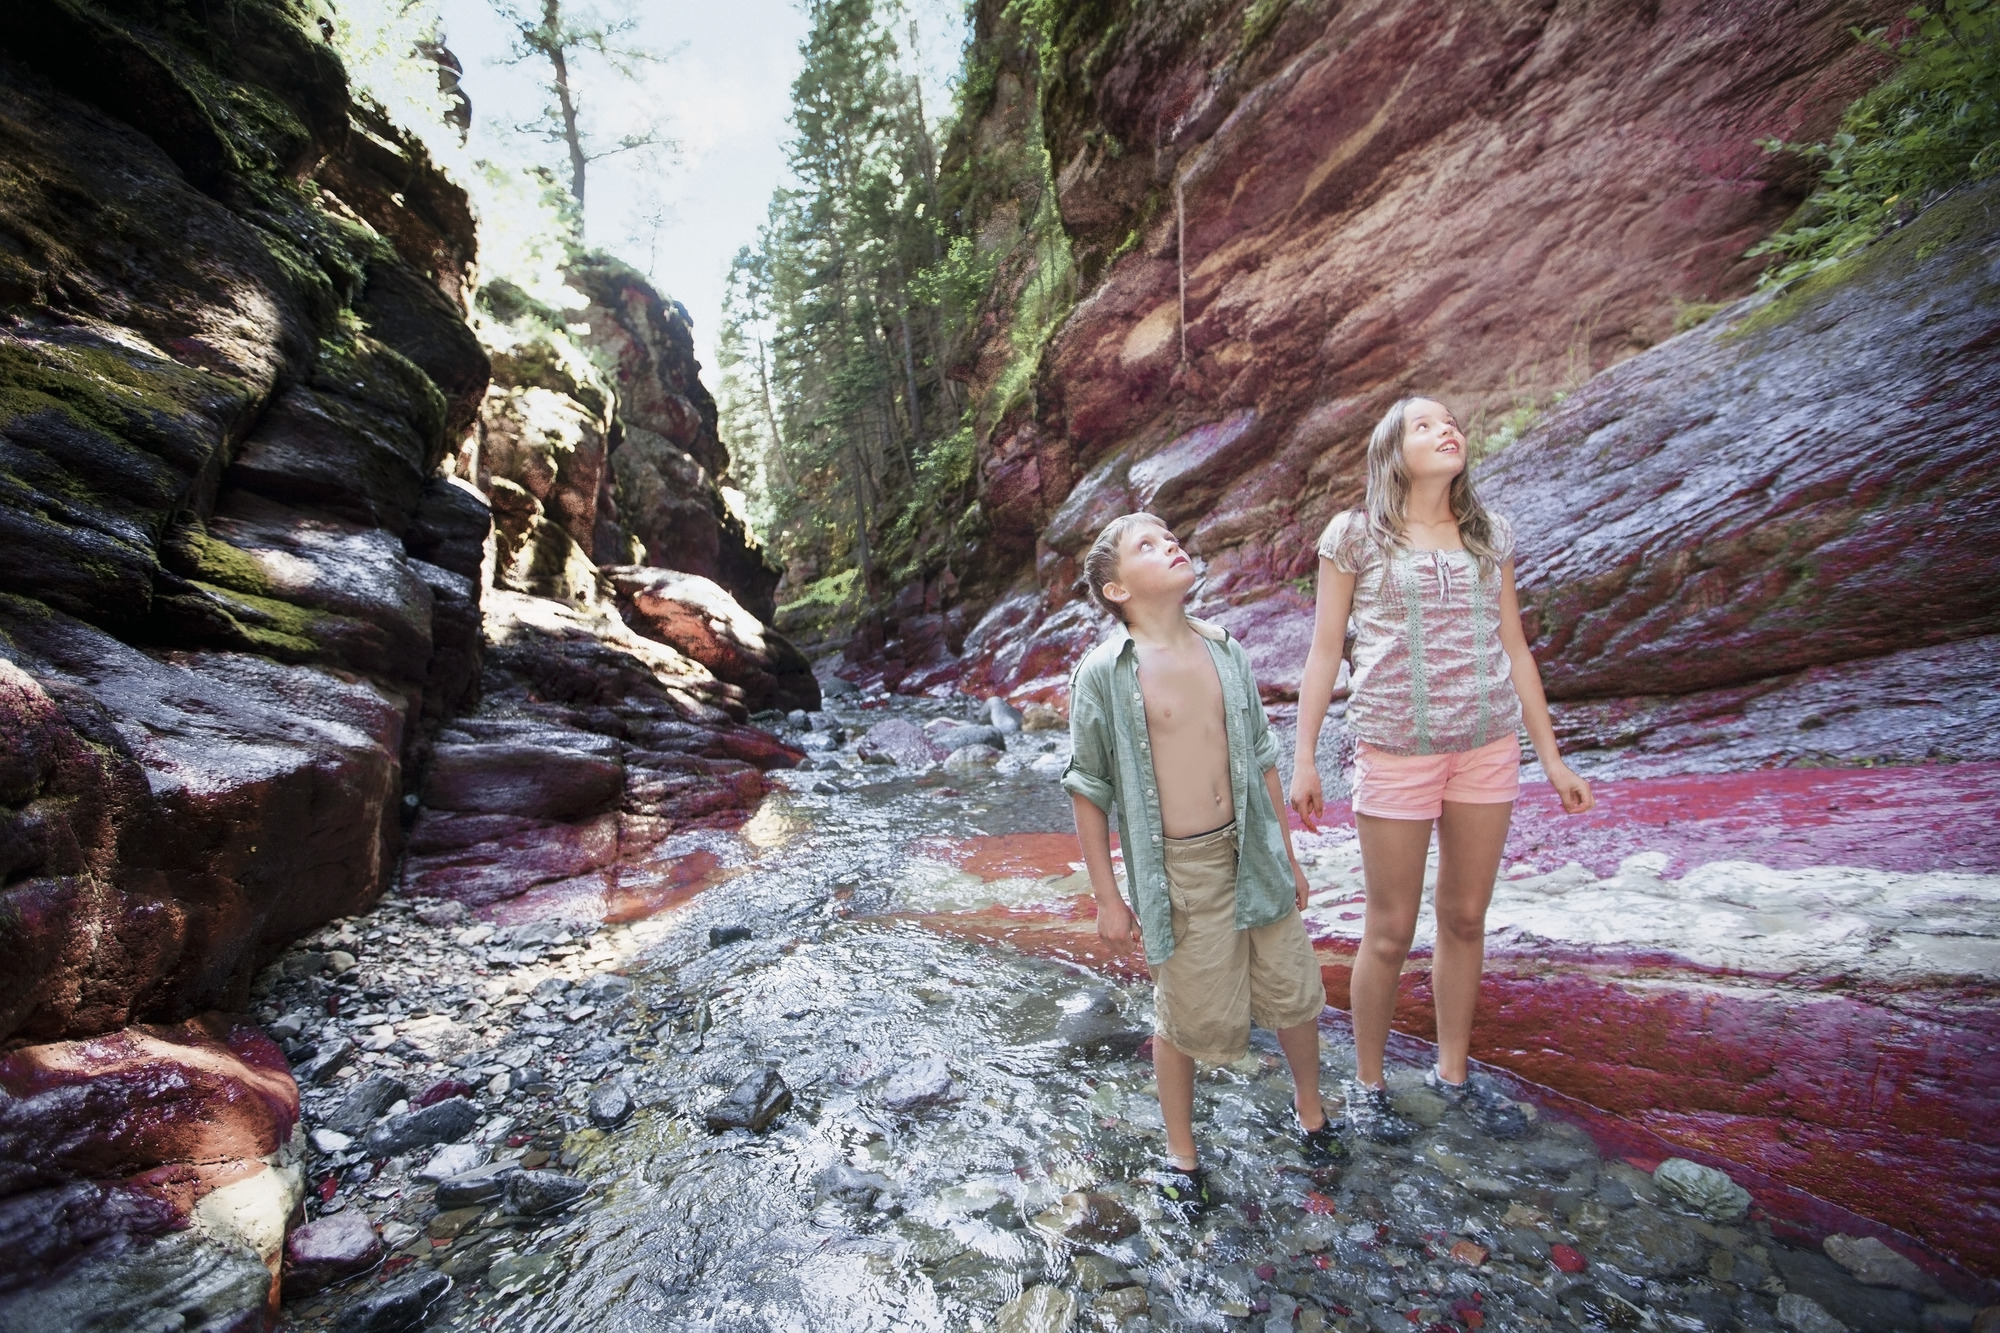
[(1336, 599), (1527, 678)]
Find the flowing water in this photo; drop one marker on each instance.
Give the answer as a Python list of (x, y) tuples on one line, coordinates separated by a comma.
[(1015, 1195)]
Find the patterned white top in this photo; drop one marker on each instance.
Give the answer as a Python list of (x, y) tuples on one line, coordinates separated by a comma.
[(1430, 675)]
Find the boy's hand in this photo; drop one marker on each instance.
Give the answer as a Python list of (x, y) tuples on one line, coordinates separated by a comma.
[(1116, 925), (1573, 790), (1306, 797), (1299, 884)]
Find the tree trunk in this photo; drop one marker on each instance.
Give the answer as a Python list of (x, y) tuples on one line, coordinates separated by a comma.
[(552, 46)]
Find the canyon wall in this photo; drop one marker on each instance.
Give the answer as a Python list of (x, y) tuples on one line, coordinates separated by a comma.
[(266, 541)]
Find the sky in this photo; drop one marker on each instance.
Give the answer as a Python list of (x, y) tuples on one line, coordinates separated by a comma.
[(723, 91)]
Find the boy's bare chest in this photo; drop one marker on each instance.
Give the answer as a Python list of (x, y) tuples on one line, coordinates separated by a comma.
[(1183, 696)]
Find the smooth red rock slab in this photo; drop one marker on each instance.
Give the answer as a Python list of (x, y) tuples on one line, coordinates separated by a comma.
[(206, 1092), (523, 780), (481, 859), (329, 1249), (700, 618)]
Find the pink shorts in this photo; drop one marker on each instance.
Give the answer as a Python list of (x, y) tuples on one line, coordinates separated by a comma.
[(1416, 786)]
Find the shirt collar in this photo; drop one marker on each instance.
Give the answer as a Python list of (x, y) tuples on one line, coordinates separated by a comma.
[(1214, 633)]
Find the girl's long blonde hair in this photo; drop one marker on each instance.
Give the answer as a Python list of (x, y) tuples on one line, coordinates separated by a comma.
[(1389, 491)]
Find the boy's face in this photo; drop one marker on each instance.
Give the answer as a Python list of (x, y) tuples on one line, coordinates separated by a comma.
[(1151, 566)]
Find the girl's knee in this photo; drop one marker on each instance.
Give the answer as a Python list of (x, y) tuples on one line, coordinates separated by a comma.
[(1462, 926), (1388, 943)]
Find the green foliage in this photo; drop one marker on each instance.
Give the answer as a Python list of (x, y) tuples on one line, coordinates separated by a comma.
[(1261, 18), (1932, 125), (831, 592)]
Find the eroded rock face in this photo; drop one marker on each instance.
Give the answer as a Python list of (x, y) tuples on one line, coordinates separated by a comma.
[(701, 619)]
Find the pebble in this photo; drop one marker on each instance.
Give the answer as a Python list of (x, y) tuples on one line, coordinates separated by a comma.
[(610, 1104), (328, 1060), (1040, 1309), (325, 1251), (1802, 1314), (966, 760), (330, 1140), (443, 912), (448, 1120), (364, 1103), (400, 1303), (1708, 1191), (1089, 1219), (919, 1084), (532, 1193), (454, 1159), (721, 935), (483, 1185), (1872, 1262), (752, 1104), (518, 1272)]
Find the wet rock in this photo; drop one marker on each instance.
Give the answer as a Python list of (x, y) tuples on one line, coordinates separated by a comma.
[(605, 988), (445, 913), (185, 1274), (450, 1119), (1122, 1303), (364, 1102), (919, 1084), (533, 1193), (858, 1188), (721, 935), (976, 1279), (610, 1105), (1041, 717), (400, 1303), (480, 1185), (454, 1222), (522, 780), (1654, 1244), (1097, 1027), (329, 1250), (453, 1160), (1040, 1309), (330, 1140), (440, 1090), (519, 1272), (1802, 1314), (753, 1104), (899, 741), (1089, 1218), (957, 738), (1094, 1273), (1004, 716), (971, 759), (1704, 1189), (837, 687), (1813, 1275), (1875, 1264)]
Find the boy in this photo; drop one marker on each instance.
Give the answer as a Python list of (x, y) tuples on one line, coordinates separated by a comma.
[(1167, 726)]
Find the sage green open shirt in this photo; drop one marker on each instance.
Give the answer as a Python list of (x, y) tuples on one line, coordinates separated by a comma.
[(1111, 766)]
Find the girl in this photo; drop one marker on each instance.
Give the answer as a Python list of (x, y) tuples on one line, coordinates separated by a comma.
[(1442, 681)]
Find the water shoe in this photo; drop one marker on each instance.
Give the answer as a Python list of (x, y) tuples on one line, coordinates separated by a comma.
[(1370, 1116), (1492, 1111)]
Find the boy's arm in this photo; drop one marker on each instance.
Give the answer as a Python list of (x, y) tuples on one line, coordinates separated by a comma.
[(1278, 804), (1088, 781)]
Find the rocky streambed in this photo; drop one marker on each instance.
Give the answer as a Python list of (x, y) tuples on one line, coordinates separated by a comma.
[(804, 1095)]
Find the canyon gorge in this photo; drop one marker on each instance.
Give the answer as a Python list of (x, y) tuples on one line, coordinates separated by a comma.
[(408, 749)]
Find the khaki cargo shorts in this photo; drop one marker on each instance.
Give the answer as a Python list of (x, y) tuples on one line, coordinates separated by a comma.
[(1221, 979)]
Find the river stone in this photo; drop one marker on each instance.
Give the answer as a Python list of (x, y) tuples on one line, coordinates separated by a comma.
[(1041, 1309), (1803, 1314), (480, 1186), (899, 741), (859, 1188), (970, 759), (532, 1193), (400, 1303), (1005, 716), (610, 1104), (921, 1083), (364, 1102), (518, 1272), (324, 1251), (1089, 1219), (753, 1104), (957, 738), (326, 1061), (721, 935), (453, 1159), (450, 1119), (1654, 1244), (180, 1276), (1704, 1189), (1872, 1262)]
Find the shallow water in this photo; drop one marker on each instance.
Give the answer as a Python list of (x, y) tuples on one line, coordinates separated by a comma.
[(849, 1215)]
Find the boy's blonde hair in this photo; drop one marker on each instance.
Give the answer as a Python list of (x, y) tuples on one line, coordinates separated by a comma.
[(1100, 562), (1388, 502)]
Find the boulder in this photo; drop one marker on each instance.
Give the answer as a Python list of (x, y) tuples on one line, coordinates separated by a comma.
[(956, 738), (970, 759), (1703, 1188), (522, 780), (900, 741), (701, 619), (918, 1085)]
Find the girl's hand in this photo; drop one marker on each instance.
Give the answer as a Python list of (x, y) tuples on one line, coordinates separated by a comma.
[(1307, 800), (1116, 925), (1573, 790), (1299, 884)]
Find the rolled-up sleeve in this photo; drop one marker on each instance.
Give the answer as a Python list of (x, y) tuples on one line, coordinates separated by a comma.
[(1091, 746)]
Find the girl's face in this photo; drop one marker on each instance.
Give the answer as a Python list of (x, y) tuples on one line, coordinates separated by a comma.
[(1433, 445)]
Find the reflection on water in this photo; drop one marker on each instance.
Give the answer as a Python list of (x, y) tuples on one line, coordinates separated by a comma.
[(889, 1198)]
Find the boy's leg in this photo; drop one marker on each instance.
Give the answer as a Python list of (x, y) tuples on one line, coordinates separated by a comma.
[(1393, 852), (1471, 839), (1173, 1072), (1300, 1043)]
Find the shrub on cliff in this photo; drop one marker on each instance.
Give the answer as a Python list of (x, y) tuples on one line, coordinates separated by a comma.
[(1931, 125)]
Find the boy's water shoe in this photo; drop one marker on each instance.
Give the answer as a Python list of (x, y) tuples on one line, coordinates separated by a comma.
[(1492, 1111), (1370, 1116), (1323, 1146), (1183, 1192)]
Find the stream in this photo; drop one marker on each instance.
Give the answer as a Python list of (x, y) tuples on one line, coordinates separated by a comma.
[(969, 1128)]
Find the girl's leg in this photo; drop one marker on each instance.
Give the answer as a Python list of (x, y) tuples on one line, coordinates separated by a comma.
[(1470, 841), (1392, 866)]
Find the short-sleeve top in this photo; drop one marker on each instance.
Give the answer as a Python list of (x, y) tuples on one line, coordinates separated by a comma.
[(1429, 673)]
